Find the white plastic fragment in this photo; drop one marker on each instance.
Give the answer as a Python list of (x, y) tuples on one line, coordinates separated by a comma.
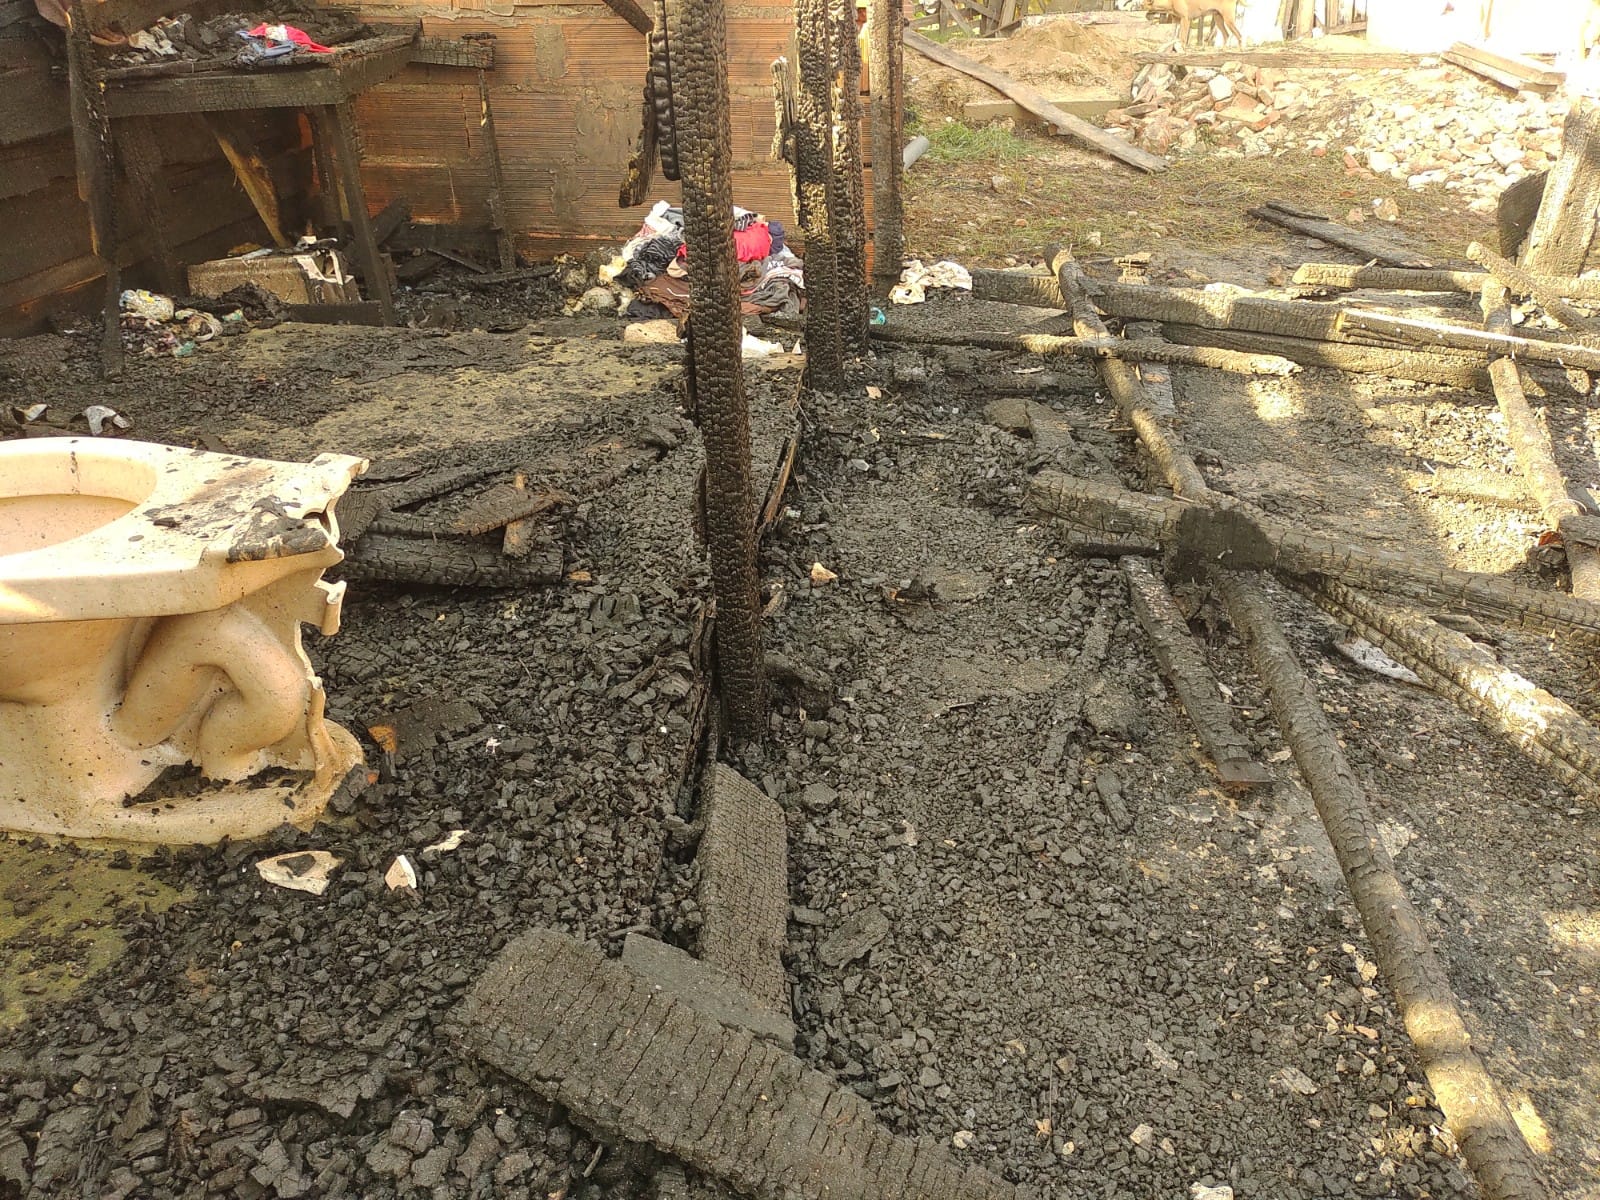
[(962, 1138), (401, 874), (299, 871), (449, 842), (98, 414), (1364, 654), (754, 347)]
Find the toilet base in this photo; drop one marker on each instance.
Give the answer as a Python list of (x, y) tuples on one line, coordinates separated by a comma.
[(249, 808)]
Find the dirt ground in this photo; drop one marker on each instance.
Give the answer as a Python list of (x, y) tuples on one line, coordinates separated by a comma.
[(1026, 189), (1101, 975)]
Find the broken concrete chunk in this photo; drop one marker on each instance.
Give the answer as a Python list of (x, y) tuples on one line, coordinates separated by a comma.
[(709, 989), (859, 934), (303, 871)]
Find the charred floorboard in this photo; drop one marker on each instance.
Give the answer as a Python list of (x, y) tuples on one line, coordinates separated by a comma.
[(635, 1064)]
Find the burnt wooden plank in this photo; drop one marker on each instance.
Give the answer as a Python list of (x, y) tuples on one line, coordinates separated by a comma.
[(501, 505), (33, 104), (452, 52), (353, 312), (632, 1062), (744, 885)]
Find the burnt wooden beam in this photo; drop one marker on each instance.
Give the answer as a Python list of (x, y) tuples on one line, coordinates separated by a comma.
[(1474, 1109), (1181, 662), (1310, 225), (1029, 98), (1388, 279), (1226, 534)]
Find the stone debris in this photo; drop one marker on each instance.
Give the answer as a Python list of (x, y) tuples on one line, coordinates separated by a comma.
[(1453, 130), (859, 934)]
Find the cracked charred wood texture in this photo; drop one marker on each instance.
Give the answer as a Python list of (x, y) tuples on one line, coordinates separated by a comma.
[(445, 562), (885, 69), (1181, 662), (1543, 288), (697, 42), (743, 863), (849, 217), (1388, 279), (1569, 212), (1474, 1111), (1535, 452), (1134, 349), (814, 188), (1538, 724), (1032, 288), (1490, 1140), (1225, 533), (634, 1063)]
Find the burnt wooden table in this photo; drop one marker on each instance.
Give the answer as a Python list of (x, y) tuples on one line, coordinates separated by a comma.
[(324, 86)]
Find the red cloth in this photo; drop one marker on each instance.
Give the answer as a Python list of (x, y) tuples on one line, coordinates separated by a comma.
[(752, 243), (298, 36)]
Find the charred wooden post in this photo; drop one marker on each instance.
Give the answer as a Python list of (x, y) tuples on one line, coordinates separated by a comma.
[(1472, 1105), (1569, 212), (497, 185), (814, 188), (96, 160), (849, 216), (696, 39), (885, 67)]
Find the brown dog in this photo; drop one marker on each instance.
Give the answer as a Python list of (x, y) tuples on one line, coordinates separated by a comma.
[(1188, 10)]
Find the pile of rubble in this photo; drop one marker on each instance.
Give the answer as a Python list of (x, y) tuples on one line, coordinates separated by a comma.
[(1175, 108), (1450, 130), (1460, 136)]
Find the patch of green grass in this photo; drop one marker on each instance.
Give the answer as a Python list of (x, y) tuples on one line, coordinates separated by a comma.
[(956, 142)]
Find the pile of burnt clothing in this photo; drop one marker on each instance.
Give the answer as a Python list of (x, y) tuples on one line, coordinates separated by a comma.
[(653, 264), (226, 40), (156, 326)]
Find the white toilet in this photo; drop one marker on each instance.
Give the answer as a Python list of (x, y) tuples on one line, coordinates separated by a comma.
[(150, 608)]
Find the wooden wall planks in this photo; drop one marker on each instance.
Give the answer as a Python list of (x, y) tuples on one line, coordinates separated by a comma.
[(566, 90)]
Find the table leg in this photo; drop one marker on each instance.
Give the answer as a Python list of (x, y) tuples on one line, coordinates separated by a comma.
[(339, 120), (141, 161)]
